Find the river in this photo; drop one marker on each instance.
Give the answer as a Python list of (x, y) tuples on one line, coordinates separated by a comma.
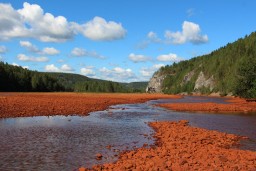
[(68, 142)]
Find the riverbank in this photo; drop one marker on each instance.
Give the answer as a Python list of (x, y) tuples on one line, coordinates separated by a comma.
[(182, 147), (235, 105), (49, 104)]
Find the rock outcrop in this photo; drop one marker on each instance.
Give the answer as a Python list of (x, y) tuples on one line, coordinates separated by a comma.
[(155, 83), (187, 77), (203, 82)]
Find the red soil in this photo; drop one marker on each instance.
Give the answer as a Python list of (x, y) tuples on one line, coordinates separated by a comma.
[(46, 104), (181, 147), (236, 105)]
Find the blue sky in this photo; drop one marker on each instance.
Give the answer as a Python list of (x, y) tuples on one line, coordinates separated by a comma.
[(117, 40)]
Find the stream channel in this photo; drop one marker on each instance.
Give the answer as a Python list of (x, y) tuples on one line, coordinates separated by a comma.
[(68, 142)]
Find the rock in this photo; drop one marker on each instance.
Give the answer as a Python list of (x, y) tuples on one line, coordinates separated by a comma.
[(187, 77), (99, 156), (155, 83), (203, 82)]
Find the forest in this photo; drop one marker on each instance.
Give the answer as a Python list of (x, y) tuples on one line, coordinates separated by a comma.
[(233, 68), (18, 79)]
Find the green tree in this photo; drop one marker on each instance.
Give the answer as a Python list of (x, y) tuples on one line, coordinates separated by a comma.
[(246, 79)]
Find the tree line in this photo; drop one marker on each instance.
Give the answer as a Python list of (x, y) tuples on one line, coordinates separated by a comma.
[(18, 79)]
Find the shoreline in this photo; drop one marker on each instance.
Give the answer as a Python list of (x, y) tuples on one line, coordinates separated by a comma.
[(182, 147)]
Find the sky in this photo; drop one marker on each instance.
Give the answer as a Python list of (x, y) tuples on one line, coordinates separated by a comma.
[(124, 41)]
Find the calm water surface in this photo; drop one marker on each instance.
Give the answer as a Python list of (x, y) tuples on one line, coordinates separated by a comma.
[(67, 142)]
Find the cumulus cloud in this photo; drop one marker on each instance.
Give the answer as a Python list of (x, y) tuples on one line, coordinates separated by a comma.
[(50, 51), (99, 29), (118, 74), (171, 57), (63, 68), (51, 68), (138, 58), (147, 72), (11, 22), (29, 46), (80, 52), (32, 22), (87, 71), (151, 38), (3, 49), (23, 57), (191, 32), (32, 48), (66, 67)]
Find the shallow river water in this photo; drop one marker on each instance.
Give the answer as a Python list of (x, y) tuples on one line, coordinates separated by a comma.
[(67, 142)]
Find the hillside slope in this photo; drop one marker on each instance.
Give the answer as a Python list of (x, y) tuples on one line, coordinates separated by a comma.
[(229, 69)]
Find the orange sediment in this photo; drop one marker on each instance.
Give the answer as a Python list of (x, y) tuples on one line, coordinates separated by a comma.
[(181, 147), (235, 105), (47, 104)]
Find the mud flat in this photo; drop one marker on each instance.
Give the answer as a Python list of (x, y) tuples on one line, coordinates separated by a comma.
[(49, 104), (235, 105), (182, 147)]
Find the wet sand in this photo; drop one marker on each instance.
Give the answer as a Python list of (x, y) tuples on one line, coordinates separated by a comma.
[(235, 105), (49, 104), (182, 147)]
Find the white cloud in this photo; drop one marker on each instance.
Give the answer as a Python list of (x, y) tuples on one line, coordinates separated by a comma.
[(117, 74), (87, 72), (151, 38), (80, 52), (99, 29), (32, 22), (15, 64), (190, 33), (45, 26), (51, 68), (147, 72), (23, 57), (11, 22), (63, 68), (29, 46), (3, 49), (169, 58), (66, 67), (157, 66), (32, 48), (50, 51), (139, 58)]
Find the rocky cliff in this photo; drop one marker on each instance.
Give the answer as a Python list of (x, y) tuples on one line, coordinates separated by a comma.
[(155, 83)]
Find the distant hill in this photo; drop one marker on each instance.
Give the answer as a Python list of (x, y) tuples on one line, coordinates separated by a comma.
[(15, 78), (136, 86), (68, 80), (228, 70)]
